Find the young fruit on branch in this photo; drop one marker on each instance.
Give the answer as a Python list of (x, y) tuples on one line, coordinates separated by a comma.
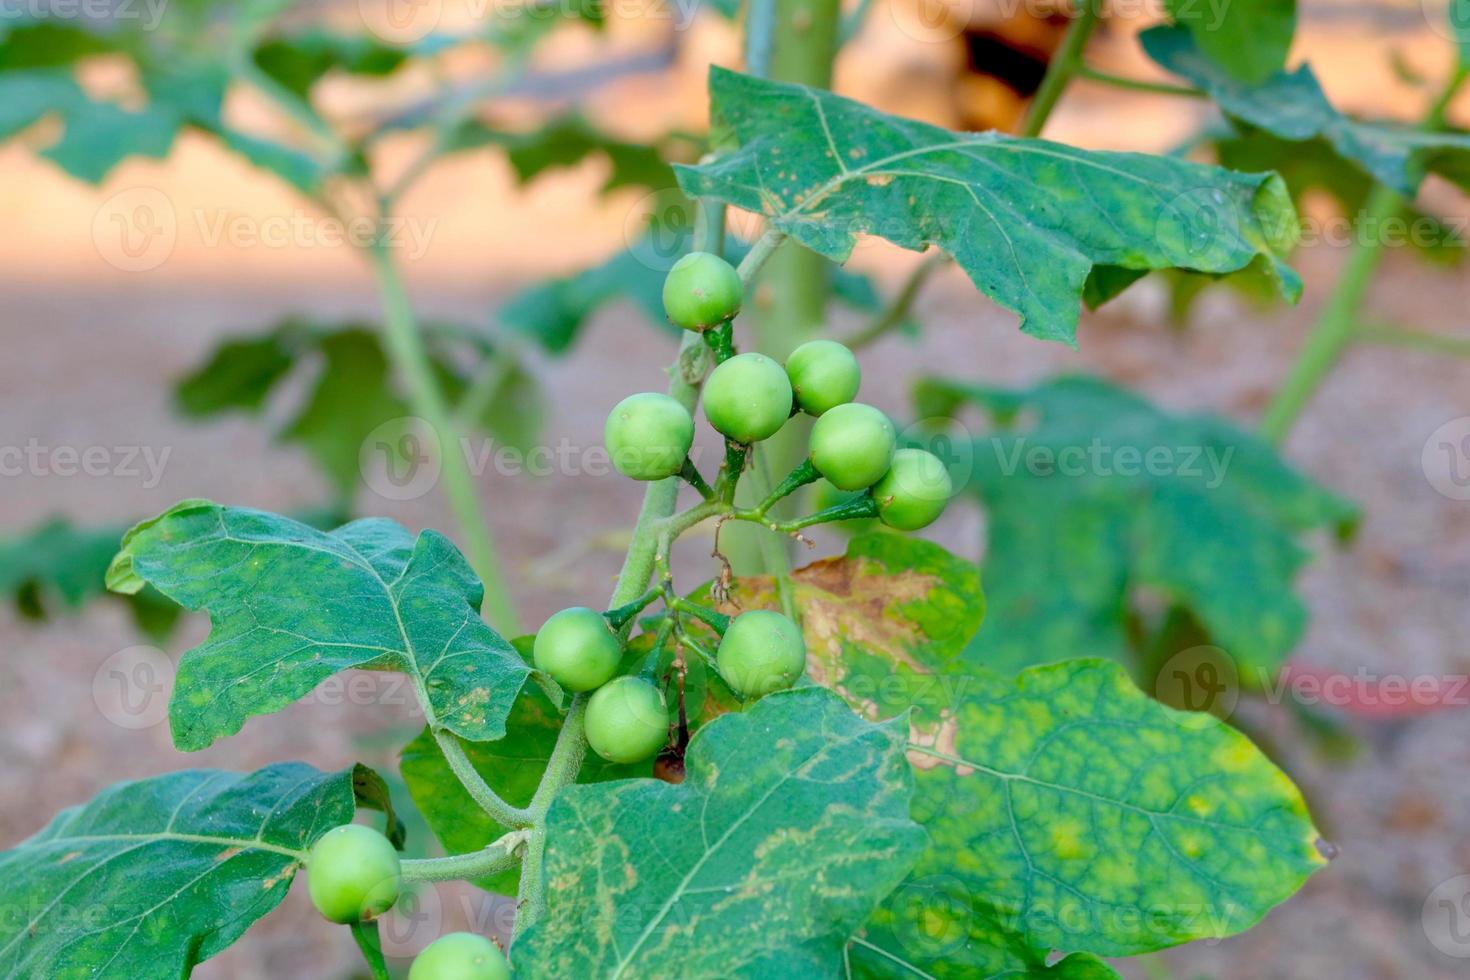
[(648, 435), (578, 648), (460, 956), (852, 445), (702, 290), (748, 398), (627, 720), (824, 374), (353, 874), (913, 492), (761, 652)]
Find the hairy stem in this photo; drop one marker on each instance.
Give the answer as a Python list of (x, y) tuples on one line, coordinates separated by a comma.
[(411, 361), (491, 859), (474, 784), (1137, 84)]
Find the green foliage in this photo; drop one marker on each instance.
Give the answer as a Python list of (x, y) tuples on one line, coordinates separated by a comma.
[(1291, 105), (354, 391), (567, 141), (1096, 494), (290, 606), (59, 563), (152, 877), (791, 825), (1068, 812), (1248, 39), (1029, 221)]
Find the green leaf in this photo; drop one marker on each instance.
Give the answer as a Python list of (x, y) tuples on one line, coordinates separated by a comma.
[(291, 605), (353, 391), (60, 563), (1249, 39), (790, 826), (1069, 812), (1292, 106), (1027, 220), (152, 877), (886, 624), (1098, 494), (352, 397), (297, 168), (298, 60), (566, 142), (512, 766)]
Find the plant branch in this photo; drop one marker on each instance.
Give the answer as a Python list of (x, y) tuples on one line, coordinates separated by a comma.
[(426, 398), (474, 784), (762, 250), (492, 859), (366, 934), (898, 308), (1414, 340), (1137, 84), (1064, 66)]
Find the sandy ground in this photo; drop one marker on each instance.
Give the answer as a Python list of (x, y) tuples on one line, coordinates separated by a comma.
[(90, 352)]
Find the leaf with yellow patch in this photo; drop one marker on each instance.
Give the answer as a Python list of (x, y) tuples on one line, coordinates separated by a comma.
[(1069, 812)]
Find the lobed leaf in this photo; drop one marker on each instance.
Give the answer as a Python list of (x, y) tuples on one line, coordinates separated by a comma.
[(1099, 494), (290, 606), (790, 826), (152, 877), (1029, 221)]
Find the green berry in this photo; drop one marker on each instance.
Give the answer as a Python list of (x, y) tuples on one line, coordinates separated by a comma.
[(701, 291), (627, 720), (578, 649), (352, 874), (648, 435), (913, 492), (824, 374), (460, 956), (748, 398), (761, 652), (852, 445)]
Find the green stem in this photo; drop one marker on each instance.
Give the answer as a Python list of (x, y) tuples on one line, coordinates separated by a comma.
[(474, 784), (1064, 66), (1414, 340), (1333, 330), (690, 474), (1137, 84), (805, 472), (411, 360), (898, 308), (366, 934), (621, 616), (491, 859)]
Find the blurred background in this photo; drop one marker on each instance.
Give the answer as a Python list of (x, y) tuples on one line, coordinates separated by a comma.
[(121, 282)]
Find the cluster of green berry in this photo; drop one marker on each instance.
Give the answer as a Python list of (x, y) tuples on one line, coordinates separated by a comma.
[(749, 397)]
